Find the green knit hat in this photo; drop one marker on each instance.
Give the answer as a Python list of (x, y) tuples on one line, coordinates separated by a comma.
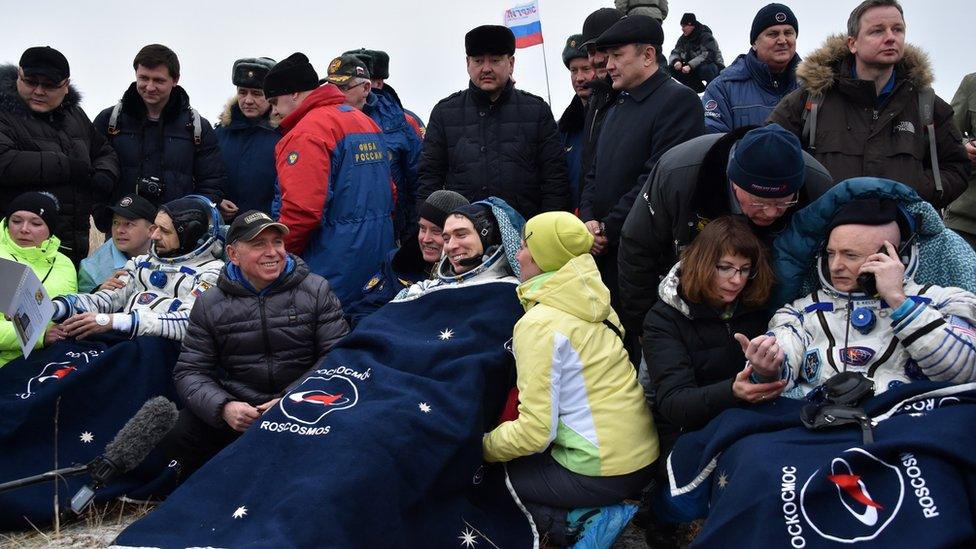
[(554, 238)]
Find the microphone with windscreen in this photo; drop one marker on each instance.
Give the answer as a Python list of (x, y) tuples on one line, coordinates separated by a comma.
[(125, 452), (129, 448)]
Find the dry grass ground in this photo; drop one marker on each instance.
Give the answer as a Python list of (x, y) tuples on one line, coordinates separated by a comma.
[(97, 527)]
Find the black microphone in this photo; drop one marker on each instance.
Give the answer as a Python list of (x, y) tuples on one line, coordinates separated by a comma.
[(129, 448)]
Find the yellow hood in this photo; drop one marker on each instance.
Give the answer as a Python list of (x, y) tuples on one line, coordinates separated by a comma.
[(576, 289)]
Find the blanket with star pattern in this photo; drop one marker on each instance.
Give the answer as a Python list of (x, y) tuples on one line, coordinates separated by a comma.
[(379, 446), (62, 405)]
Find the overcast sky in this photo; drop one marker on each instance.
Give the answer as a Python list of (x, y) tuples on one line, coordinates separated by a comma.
[(425, 39)]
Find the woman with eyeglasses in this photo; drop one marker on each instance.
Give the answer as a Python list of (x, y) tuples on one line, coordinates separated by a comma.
[(26, 236), (718, 289)]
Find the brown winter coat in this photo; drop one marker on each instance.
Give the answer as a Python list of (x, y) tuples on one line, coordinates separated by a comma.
[(853, 139)]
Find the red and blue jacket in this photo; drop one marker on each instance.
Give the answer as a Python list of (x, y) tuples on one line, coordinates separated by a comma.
[(337, 195)]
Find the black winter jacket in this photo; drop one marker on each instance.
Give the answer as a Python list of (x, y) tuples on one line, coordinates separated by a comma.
[(164, 149), (250, 348), (509, 149), (59, 152), (687, 188), (602, 97), (642, 125), (692, 360)]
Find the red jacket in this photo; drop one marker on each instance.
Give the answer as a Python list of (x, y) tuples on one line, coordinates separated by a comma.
[(336, 191)]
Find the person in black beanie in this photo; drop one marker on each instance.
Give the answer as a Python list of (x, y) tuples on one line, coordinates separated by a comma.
[(748, 90), (335, 190), (49, 144), (696, 56), (493, 139)]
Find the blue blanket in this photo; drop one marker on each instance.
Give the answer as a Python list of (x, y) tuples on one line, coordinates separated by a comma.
[(764, 480), (62, 405), (380, 446)]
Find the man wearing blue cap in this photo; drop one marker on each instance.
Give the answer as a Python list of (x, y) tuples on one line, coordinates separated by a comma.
[(761, 174)]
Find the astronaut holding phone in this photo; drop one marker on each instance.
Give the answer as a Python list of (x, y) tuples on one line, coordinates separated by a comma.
[(869, 315)]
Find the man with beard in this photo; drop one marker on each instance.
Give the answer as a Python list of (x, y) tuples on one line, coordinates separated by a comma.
[(161, 286), (602, 94)]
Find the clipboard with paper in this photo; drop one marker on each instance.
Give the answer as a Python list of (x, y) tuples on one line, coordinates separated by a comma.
[(25, 303)]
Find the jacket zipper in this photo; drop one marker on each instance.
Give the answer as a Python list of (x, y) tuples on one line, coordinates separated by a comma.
[(267, 345)]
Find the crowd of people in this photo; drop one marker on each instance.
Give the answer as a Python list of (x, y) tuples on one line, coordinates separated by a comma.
[(804, 217)]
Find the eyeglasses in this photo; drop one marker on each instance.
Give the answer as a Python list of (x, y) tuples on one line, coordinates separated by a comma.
[(351, 86), (525, 242), (728, 271), (779, 207), (33, 84)]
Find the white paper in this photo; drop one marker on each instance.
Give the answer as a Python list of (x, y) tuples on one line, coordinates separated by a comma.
[(25, 302)]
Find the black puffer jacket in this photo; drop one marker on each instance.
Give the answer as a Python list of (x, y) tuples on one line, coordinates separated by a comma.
[(241, 346), (509, 149), (692, 360), (165, 150), (59, 152)]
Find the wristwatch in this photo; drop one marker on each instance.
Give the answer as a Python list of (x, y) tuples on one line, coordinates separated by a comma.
[(102, 319)]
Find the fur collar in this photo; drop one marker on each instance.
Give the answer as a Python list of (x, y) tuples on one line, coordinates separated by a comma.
[(573, 117), (822, 68), (233, 113), (10, 101)]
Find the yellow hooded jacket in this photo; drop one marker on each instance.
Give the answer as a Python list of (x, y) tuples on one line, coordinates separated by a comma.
[(51, 266), (577, 389)]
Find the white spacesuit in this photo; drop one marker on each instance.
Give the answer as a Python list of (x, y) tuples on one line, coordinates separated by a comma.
[(929, 337), (159, 291)]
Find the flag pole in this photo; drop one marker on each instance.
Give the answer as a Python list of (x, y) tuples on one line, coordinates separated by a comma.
[(545, 64)]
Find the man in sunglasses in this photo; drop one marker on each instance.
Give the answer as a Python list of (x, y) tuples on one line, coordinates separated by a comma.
[(48, 143), (761, 174)]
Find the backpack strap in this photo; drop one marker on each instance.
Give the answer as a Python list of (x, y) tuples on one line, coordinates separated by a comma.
[(197, 126), (113, 120), (809, 118), (926, 111), (613, 328)]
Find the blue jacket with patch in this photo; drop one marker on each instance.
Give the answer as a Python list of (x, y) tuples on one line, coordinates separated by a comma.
[(336, 191), (404, 146), (745, 93), (248, 149), (403, 267)]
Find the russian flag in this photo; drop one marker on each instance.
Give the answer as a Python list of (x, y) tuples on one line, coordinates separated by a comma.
[(524, 22)]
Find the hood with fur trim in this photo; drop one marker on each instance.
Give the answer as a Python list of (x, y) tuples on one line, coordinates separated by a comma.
[(232, 113), (10, 101), (820, 70)]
